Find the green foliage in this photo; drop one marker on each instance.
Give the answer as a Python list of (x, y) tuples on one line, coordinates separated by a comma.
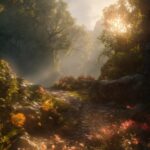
[(37, 110), (5, 142), (8, 92), (122, 64), (8, 82), (19, 100), (32, 32), (123, 41)]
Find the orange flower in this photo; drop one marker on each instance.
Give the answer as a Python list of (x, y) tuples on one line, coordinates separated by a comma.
[(18, 119), (47, 105)]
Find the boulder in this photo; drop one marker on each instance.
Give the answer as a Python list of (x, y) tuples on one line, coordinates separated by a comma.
[(128, 88)]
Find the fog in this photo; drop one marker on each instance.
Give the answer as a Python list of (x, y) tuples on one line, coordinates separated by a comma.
[(30, 50), (83, 58), (88, 12)]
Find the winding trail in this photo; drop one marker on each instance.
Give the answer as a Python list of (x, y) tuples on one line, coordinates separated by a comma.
[(91, 125)]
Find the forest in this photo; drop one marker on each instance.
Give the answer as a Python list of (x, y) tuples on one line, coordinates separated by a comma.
[(65, 87)]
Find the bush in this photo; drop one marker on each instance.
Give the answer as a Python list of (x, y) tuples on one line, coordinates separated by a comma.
[(71, 83), (8, 81), (8, 93)]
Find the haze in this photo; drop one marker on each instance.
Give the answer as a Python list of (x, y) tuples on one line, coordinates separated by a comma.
[(87, 12)]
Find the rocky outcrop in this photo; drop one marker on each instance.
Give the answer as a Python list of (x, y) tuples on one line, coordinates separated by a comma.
[(126, 89)]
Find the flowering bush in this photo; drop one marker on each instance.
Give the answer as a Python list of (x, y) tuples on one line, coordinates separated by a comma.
[(8, 81), (71, 83)]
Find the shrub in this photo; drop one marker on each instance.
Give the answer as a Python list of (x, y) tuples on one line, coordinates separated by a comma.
[(8, 81), (71, 83)]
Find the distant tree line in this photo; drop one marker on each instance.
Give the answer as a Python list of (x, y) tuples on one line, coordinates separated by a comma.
[(33, 31)]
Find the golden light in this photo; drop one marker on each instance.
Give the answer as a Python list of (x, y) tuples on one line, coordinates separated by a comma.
[(118, 25), (129, 7)]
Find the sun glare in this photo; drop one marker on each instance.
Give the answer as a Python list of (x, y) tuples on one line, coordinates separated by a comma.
[(117, 25)]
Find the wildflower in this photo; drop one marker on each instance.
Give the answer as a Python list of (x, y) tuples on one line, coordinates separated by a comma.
[(127, 124), (18, 119), (47, 105)]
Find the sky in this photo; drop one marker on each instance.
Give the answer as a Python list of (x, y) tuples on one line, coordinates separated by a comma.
[(88, 12)]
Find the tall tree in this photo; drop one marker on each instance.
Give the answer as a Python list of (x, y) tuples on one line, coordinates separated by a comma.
[(32, 32), (125, 35)]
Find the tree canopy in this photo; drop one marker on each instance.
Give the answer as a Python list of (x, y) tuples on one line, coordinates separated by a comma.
[(126, 33), (32, 32)]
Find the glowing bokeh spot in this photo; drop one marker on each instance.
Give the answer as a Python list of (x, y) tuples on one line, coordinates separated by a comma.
[(117, 25)]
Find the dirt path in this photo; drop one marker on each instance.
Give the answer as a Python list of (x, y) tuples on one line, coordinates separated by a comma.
[(95, 126)]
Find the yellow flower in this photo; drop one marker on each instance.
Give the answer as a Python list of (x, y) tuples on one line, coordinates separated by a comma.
[(47, 105), (18, 119)]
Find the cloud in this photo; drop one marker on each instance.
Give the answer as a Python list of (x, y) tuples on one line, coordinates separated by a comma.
[(87, 12)]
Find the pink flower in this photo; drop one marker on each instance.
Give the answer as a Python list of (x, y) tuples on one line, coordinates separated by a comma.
[(127, 124)]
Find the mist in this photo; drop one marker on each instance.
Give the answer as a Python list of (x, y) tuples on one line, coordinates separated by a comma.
[(54, 40), (82, 59), (88, 12)]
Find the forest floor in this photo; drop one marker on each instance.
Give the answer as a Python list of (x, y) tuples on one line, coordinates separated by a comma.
[(91, 126)]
